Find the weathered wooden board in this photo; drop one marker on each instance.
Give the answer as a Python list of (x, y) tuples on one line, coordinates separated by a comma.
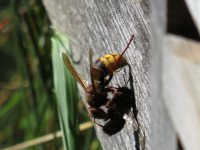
[(181, 60), (163, 136), (106, 26)]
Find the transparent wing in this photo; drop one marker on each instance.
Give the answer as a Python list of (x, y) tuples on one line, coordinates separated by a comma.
[(71, 69)]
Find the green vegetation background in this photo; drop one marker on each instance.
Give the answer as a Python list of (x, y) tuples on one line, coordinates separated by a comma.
[(28, 105)]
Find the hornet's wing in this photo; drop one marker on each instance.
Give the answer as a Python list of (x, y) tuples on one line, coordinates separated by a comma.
[(71, 69)]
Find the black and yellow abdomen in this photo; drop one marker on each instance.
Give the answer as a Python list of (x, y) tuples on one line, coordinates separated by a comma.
[(103, 65)]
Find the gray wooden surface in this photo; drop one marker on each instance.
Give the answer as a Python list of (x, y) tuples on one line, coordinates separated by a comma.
[(175, 83), (106, 26), (181, 88), (163, 136)]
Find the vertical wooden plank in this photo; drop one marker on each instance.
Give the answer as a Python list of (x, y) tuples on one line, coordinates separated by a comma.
[(106, 26), (181, 59), (162, 133)]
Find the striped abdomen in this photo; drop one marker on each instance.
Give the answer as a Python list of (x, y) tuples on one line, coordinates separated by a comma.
[(103, 65)]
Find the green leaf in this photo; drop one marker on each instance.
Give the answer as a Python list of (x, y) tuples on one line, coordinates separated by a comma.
[(66, 93)]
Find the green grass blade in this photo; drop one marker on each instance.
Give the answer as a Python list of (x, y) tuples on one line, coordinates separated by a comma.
[(66, 93)]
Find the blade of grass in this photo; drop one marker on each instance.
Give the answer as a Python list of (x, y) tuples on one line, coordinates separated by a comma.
[(66, 93)]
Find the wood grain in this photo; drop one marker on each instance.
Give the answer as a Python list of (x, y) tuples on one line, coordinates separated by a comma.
[(181, 88), (163, 135), (106, 26)]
